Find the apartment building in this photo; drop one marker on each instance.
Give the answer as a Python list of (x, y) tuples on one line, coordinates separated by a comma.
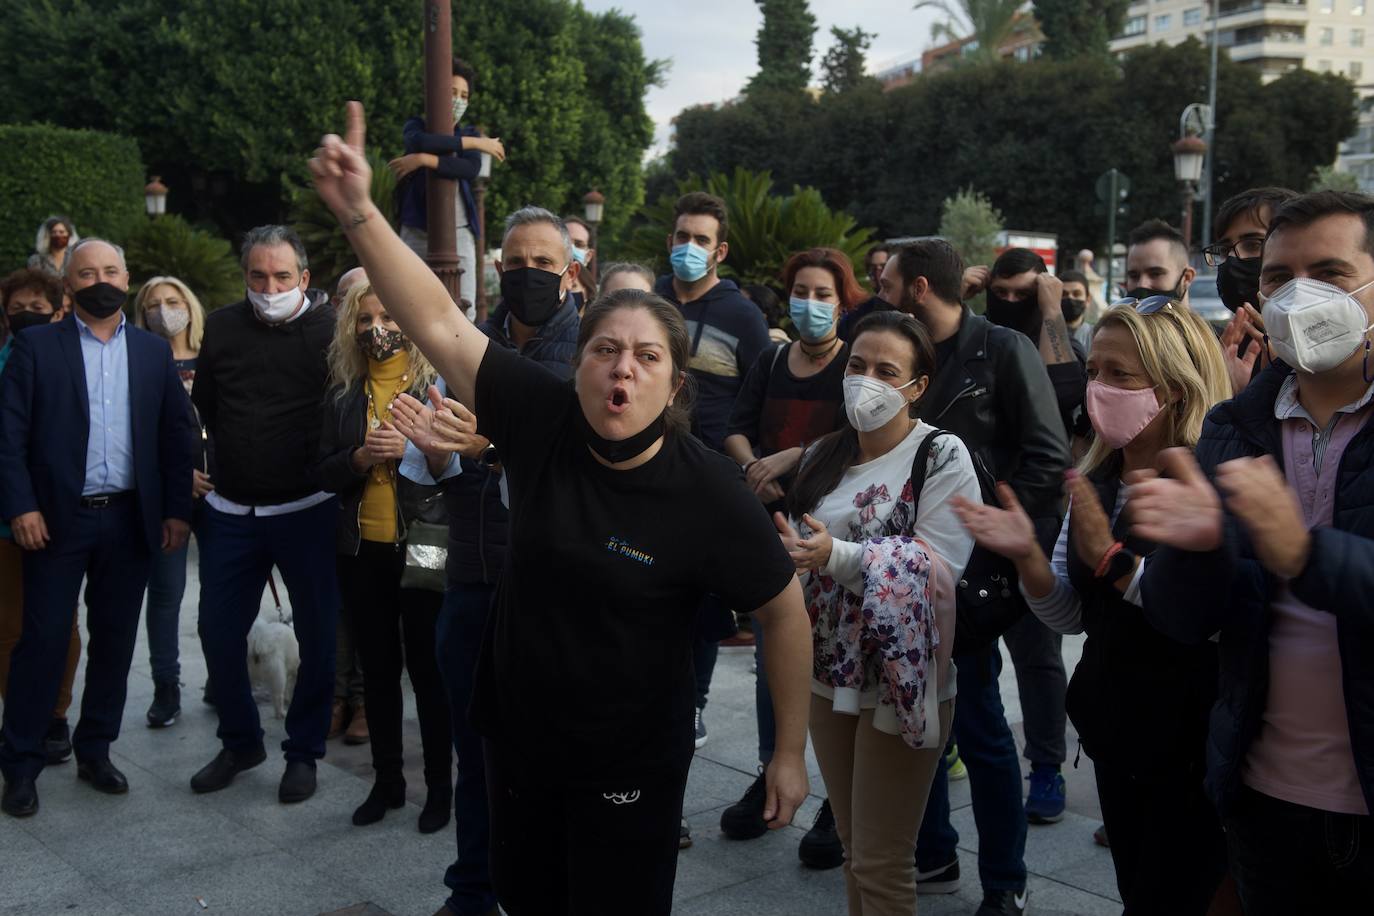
[(1275, 36)]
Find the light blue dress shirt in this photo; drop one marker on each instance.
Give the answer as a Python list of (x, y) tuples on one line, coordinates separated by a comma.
[(110, 444)]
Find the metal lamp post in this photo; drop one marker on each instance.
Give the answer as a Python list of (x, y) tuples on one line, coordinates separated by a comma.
[(441, 232), (1189, 152), (479, 192), (593, 208), (155, 197)]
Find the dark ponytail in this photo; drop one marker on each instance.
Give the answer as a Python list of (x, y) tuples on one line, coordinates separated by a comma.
[(825, 463)]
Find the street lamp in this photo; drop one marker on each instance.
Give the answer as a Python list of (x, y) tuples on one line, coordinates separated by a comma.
[(1189, 152), (155, 197), (479, 192), (593, 208)]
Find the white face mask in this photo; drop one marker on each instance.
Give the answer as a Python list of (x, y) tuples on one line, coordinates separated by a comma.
[(870, 404), (1314, 326), (460, 107), (276, 308)]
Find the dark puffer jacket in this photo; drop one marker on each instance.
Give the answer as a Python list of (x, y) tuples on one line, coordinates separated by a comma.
[(478, 524), (1190, 596)]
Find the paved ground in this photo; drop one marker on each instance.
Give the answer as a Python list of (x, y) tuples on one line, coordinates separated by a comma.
[(162, 850)]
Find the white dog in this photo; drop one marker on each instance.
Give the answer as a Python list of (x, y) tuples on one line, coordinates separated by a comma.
[(274, 658)]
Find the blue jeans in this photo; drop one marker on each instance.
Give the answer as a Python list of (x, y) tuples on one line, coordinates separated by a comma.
[(988, 750), (236, 554), (763, 702), (458, 637), (166, 585)]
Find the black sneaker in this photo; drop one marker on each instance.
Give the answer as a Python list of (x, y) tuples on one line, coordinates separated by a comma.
[(57, 743), (821, 847), (701, 729), (744, 819), (684, 836), (1003, 903), (166, 704), (943, 879)]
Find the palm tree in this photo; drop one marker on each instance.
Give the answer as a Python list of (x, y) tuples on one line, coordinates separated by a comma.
[(989, 22)]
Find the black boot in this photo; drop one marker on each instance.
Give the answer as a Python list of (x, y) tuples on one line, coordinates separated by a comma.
[(384, 795), (438, 805), (166, 704)]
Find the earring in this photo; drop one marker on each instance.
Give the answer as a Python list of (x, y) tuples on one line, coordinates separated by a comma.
[(1364, 364)]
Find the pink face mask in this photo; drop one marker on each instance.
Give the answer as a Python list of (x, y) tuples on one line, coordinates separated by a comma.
[(1120, 414)]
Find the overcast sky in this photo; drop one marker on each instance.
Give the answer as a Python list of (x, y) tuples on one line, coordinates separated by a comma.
[(710, 43)]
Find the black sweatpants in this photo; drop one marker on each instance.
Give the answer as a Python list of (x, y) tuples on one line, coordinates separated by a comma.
[(582, 848), (382, 613), (1166, 839)]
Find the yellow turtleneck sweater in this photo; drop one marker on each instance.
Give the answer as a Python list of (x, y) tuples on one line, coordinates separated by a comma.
[(377, 514)]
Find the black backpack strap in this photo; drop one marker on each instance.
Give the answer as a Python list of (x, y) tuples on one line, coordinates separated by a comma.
[(778, 351), (918, 469)]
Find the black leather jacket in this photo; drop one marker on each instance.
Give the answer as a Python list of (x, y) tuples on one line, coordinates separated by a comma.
[(996, 396)]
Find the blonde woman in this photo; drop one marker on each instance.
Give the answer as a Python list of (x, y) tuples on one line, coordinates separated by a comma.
[(371, 362), (167, 307), (1138, 700)]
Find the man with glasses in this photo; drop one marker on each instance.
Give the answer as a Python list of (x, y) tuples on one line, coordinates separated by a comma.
[(1242, 222), (1267, 545)]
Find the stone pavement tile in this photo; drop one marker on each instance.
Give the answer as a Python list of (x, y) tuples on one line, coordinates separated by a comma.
[(403, 869), (275, 882), (1089, 874), (62, 891)]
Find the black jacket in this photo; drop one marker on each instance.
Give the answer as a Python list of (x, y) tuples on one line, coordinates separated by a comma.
[(258, 389), (996, 396), (478, 523), (342, 432), (1137, 697), (1191, 596)]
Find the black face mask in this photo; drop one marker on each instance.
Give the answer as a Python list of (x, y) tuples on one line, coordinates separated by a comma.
[(101, 300), (1238, 282), (25, 320), (618, 450), (1141, 292), (1073, 309), (531, 294), (1023, 316)]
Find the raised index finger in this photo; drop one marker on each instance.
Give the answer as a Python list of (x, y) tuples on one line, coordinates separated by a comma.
[(356, 133)]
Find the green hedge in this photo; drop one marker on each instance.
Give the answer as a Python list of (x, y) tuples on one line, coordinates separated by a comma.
[(94, 178)]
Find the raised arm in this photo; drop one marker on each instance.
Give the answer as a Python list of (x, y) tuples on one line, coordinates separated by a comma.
[(414, 297)]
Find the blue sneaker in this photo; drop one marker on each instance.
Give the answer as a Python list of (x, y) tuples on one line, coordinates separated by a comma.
[(1045, 800)]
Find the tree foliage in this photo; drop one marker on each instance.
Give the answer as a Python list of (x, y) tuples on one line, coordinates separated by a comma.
[(1328, 178), (990, 22), (784, 45), (171, 247), (1079, 28), (766, 228), (970, 223), (96, 179), (844, 66), (1032, 137), (228, 97)]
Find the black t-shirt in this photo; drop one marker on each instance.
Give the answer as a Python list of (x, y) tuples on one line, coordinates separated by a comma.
[(776, 410), (588, 653)]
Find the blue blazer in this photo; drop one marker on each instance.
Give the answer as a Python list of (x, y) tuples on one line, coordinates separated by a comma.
[(45, 422)]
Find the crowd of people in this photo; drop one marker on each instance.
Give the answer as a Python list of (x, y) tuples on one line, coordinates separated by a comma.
[(584, 494)]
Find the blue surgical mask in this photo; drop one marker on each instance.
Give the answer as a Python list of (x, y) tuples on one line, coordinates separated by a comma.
[(812, 318), (690, 262), (580, 255)]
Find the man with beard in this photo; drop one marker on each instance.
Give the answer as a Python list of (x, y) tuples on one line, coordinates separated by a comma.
[(1157, 262), (993, 391), (1075, 307)]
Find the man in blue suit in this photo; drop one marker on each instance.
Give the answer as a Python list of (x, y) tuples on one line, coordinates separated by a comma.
[(95, 475)]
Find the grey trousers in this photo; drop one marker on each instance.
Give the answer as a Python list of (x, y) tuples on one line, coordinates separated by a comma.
[(1036, 653)]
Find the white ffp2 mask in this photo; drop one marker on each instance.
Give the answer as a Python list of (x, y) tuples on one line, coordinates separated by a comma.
[(1314, 326)]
